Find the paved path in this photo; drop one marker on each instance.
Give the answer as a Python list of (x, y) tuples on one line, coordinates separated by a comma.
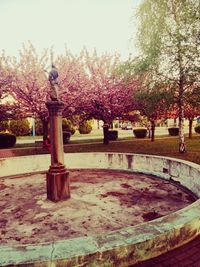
[(185, 256)]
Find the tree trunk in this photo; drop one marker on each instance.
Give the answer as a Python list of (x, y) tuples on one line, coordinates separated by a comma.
[(105, 134), (111, 125), (175, 123), (182, 146), (33, 126), (190, 128), (149, 130), (45, 129), (152, 130)]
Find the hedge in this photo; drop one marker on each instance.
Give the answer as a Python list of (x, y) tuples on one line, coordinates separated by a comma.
[(4, 125), (85, 128), (67, 126), (20, 127)]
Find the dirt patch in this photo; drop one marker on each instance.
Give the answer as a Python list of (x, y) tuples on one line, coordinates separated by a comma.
[(149, 216), (101, 200)]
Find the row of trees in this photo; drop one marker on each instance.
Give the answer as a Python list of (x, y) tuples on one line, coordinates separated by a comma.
[(169, 65), (162, 82), (89, 85)]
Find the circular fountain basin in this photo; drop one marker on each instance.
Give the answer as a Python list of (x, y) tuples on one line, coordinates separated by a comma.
[(118, 236), (101, 201)]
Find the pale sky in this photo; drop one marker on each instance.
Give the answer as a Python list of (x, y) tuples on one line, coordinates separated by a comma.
[(107, 25)]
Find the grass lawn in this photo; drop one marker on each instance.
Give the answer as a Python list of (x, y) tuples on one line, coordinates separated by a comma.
[(165, 146), (162, 146)]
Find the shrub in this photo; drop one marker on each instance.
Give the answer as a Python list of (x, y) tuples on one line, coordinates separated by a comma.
[(85, 128), (173, 131), (4, 125), (66, 137), (197, 129), (67, 126), (20, 127), (116, 125), (140, 133), (7, 140), (38, 127), (113, 135)]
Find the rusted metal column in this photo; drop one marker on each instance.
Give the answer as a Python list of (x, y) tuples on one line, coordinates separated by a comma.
[(57, 176)]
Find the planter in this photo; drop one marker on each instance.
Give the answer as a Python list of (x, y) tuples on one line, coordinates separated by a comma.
[(140, 133), (113, 135), (173, 131)]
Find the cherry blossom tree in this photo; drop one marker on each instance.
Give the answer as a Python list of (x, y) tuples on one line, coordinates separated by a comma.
[(7, 110), (73, 82), (191, 108), (29, 85), (106, 94), (89, 85), (192, 105), (191, 113)]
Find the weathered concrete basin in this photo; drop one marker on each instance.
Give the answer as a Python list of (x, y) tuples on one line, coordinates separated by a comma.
[(119, 248)]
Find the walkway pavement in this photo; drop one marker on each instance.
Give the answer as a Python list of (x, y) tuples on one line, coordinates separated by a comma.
[(185, 256)]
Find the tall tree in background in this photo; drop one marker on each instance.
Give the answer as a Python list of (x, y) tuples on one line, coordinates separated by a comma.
[(153, 103), (153, 97), (169, 39)]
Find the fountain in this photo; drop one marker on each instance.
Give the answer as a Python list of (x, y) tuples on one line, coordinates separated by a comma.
[(122, 247), (75, 240)]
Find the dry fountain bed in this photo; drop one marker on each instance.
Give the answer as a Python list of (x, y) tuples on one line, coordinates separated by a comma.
[(101, 200)]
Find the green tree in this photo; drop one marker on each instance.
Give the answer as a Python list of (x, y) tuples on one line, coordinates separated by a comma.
[(4, 125), (168, 37), (153, 97), (85, 127), (20, 127), (38, 127), (67, 126), (152, 104)]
